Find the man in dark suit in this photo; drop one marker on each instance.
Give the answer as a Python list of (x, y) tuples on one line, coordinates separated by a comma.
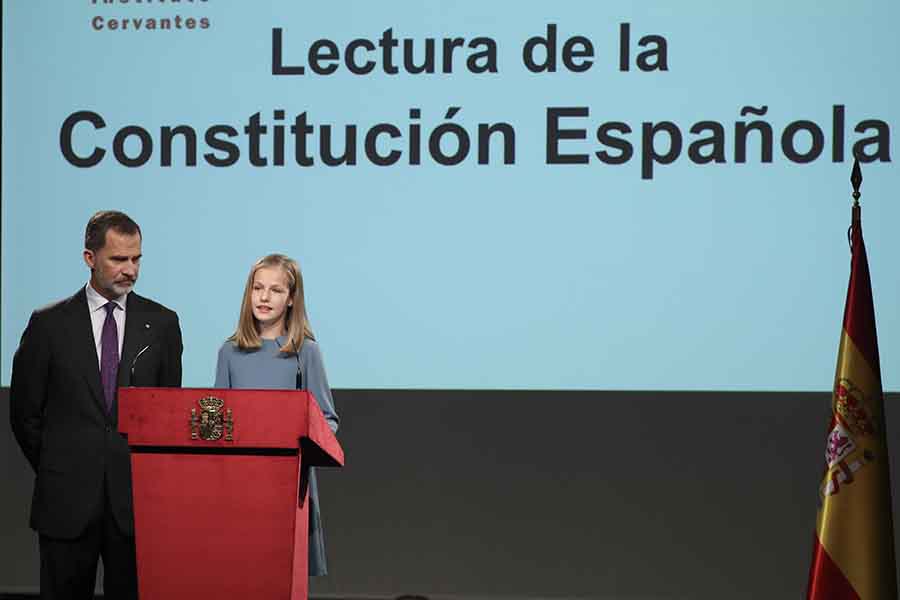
[(73, 356)]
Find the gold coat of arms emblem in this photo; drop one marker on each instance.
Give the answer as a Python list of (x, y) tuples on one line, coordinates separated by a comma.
[(212, 423)]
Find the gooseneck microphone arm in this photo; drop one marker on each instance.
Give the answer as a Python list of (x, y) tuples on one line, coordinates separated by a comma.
[(134, 362)]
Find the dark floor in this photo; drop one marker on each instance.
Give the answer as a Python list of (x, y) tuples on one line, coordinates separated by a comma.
[(404, 597)]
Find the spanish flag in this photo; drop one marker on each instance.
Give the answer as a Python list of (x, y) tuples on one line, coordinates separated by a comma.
[(853, 552)]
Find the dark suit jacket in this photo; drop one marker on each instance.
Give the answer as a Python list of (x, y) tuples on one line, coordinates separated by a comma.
[(58, 413)]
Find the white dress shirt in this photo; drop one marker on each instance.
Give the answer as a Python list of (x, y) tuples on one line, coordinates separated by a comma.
[(96, 302)]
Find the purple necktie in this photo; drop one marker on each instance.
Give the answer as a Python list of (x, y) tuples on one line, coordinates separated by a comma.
[(109, 356)]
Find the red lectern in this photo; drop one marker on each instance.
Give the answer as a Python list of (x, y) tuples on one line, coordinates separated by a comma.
[(220, 480)]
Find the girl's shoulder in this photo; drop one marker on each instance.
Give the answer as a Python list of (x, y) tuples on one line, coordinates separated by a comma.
[(230, 348), (310, 352), (227, 347), (309, 346)]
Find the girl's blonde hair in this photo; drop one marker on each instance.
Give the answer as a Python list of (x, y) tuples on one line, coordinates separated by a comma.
[(246, 337)]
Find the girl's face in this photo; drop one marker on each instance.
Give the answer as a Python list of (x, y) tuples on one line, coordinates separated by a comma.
[(270, 299)]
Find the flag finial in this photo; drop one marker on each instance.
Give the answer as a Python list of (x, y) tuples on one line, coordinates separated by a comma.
[(856, 181)]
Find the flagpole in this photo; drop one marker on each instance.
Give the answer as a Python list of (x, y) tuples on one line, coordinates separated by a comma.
[(856, 212), (853, 550), (856, 181)]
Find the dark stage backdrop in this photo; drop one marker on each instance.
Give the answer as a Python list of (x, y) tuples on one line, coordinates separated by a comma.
[(493, 494)]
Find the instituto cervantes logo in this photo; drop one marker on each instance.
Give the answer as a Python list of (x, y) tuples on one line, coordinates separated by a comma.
[(138, 16)]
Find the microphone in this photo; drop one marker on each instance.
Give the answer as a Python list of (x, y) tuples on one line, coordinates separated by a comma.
[(134, 362), (299, 379)]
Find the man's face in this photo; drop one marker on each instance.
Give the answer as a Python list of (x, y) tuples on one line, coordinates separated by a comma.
[(115, 266)]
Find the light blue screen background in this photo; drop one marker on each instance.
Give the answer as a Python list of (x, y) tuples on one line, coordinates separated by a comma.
[(719, 276)]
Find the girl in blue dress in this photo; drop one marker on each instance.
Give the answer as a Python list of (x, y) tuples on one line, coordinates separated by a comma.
[(273, 348)]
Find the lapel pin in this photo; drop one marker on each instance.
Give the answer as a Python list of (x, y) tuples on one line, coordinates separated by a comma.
[(146, 325)]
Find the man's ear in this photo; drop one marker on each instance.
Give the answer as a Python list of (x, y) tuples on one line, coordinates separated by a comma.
[(89, 258)]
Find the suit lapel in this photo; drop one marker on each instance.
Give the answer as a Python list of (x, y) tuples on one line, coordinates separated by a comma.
[(82, 336)]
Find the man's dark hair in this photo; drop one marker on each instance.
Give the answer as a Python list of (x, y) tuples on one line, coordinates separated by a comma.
[(103, 221)]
